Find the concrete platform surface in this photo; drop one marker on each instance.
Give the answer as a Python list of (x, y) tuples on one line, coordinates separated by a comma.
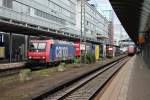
[(12, 65), (131, 83)]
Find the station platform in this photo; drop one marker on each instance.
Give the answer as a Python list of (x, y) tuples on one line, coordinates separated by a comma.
[(12, 65), (131, 83)]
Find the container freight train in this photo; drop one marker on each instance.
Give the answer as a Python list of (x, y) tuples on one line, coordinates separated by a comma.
[(52, 51), (131, 50)]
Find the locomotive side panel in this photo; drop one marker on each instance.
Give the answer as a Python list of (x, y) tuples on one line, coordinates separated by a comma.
[(61, 52)]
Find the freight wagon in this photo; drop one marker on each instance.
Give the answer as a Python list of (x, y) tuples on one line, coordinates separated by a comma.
[(50, 51), (90, 48)]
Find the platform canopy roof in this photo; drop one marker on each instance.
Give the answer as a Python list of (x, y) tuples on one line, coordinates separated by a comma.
[(134, 16)]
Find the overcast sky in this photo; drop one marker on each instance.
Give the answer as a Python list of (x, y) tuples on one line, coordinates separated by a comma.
[(104, 4), (118, 30)]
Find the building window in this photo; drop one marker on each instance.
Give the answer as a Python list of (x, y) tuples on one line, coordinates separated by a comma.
[(18, 7), (8, 3), (49, 16), (87, 22), (25, 9)]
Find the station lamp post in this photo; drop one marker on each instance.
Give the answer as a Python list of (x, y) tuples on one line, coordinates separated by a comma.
[(83, 33)]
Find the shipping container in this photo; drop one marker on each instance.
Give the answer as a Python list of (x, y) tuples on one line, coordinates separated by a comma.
[(90, 48), (103, 51), (77, 49), (97, 52)]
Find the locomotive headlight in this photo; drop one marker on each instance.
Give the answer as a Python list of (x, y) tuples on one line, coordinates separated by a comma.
[(43, 57), (30, 57)]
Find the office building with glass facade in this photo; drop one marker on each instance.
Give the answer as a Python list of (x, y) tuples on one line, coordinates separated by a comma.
[(95, 25), (52, 14), (60, 15)]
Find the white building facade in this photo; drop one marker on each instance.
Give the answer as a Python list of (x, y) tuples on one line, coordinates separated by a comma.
[(64, 15), (95, 25), (52, 14)]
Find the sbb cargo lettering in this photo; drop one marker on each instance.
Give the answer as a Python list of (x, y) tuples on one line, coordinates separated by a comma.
[(61, 52)]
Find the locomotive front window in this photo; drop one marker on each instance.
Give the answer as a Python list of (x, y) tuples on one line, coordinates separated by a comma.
[(37, 46), (41, 46), (33, 46)]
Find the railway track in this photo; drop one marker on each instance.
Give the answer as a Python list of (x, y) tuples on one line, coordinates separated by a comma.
[(85, 88)]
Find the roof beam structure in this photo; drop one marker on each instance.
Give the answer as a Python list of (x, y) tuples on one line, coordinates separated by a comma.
[(134, 16)]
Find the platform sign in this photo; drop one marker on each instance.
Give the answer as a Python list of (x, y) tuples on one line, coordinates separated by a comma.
[(1, 38), (141, 39)]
